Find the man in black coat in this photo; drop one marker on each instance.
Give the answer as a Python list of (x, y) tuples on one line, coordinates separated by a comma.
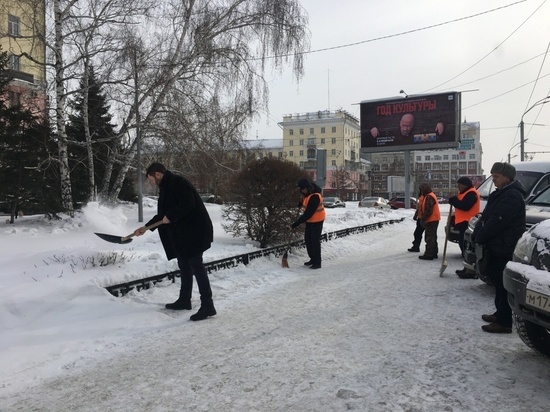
[(498, 230), (186, 233)]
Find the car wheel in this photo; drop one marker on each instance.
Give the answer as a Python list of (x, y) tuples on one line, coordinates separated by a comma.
[(533, 335)]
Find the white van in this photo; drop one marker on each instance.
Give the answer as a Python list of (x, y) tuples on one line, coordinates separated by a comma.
[(534, 176)]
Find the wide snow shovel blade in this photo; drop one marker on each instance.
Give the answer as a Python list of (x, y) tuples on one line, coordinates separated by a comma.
[(447, 230), (121, 240)]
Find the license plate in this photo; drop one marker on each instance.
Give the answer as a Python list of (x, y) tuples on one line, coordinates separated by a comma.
[(537, 300)]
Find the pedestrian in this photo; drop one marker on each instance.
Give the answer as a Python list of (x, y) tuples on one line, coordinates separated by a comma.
[(313, 216), (419, 230), (429, 216), (501, 225), (466, 204), (186, 233)]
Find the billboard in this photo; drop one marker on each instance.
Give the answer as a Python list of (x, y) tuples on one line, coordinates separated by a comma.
[(419, 122)]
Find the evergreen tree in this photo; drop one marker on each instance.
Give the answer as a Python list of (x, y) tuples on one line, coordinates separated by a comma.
[(26, 180)]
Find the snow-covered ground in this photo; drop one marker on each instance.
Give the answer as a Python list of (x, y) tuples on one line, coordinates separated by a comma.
[(376, 329)]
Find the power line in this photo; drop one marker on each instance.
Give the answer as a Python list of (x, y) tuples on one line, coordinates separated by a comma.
[(389, 36), (488, 54)]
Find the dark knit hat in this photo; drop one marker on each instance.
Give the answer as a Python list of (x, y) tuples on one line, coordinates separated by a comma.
[(304, 184), (466, 181), (505, 169)]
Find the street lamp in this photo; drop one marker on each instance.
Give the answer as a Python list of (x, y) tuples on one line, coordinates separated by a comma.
[(521, 125)]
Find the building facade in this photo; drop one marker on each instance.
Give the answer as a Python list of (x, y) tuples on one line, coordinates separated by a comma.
[(22, 30), (440, 168), (337, 136)]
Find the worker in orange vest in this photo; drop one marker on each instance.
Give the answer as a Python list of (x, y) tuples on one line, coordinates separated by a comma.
[(429, 216), (466, 204), (313, 216)]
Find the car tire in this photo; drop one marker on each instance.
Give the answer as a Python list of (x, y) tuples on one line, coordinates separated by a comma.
[(533, 335)]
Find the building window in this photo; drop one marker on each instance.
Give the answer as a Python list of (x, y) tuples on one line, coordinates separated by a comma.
[(322, 130), (301, 142), (13, 26), (311, 130), (322, 140), (445, 157), (334, 163), (427, 158), (333, 129), (14, 99), (301, 153), (291, 132), (472, 156), (301, 131), (333, 140), (291, 142), (333, 152), (291, 154), (418, 158), (14, 63)]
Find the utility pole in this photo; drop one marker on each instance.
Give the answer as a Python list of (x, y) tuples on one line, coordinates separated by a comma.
[(544, 100)]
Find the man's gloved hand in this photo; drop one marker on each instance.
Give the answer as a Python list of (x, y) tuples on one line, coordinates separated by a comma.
[(294, 225)]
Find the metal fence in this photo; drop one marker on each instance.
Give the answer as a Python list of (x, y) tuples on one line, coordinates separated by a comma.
[(233, 261)]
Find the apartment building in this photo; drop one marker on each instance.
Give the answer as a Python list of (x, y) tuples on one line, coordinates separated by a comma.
[(22, 30), (337, 135)]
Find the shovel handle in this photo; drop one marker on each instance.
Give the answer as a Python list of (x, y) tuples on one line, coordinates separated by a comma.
[(154, 225)]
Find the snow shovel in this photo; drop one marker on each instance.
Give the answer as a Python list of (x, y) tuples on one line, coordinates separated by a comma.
[(447, 230), (126, 239)]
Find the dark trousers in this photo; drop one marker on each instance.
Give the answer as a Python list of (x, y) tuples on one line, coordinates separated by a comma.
[(417, 235), (461, 227), (430, 237), (190, 267), (313, 241), (503, 309)]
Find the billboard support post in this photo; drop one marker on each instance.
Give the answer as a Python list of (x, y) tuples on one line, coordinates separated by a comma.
[(407, 179)]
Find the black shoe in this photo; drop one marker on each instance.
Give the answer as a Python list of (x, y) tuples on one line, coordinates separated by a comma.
[(179, 305), (315, 266), (426, 257), (460, 271), (414, 249), (467, 274), (203, 313), (489, 318), (308, 263), (496, 328)]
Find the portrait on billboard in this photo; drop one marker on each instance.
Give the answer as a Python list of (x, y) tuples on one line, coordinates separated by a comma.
[(413, 121)]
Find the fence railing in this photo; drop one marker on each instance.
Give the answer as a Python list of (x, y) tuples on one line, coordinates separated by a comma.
[(233, 261)]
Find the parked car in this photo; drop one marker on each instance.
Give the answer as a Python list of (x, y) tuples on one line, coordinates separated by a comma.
[(377, 202), (534, 176), (527, 280), (398, 202), (537, 210), (331, 202), (210, 198)]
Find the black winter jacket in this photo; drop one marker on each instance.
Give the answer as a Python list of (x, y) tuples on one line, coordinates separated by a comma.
[(503, 220), (190, 232)]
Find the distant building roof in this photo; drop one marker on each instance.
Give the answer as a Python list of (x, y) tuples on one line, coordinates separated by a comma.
[(263, 144)]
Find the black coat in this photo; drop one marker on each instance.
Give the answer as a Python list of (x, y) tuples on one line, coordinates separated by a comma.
[(190, 232), (503, 220)]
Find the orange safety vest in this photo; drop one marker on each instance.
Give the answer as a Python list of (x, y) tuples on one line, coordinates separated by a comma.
[(320, 213), (436, 215), (419, 204), (466, 215)]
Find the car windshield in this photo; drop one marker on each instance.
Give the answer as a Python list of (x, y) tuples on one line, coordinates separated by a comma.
[(372, 199), (329, 199), (542, 199), (527, 179)]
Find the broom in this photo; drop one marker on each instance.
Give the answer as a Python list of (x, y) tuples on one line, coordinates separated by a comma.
[(284, 261)]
